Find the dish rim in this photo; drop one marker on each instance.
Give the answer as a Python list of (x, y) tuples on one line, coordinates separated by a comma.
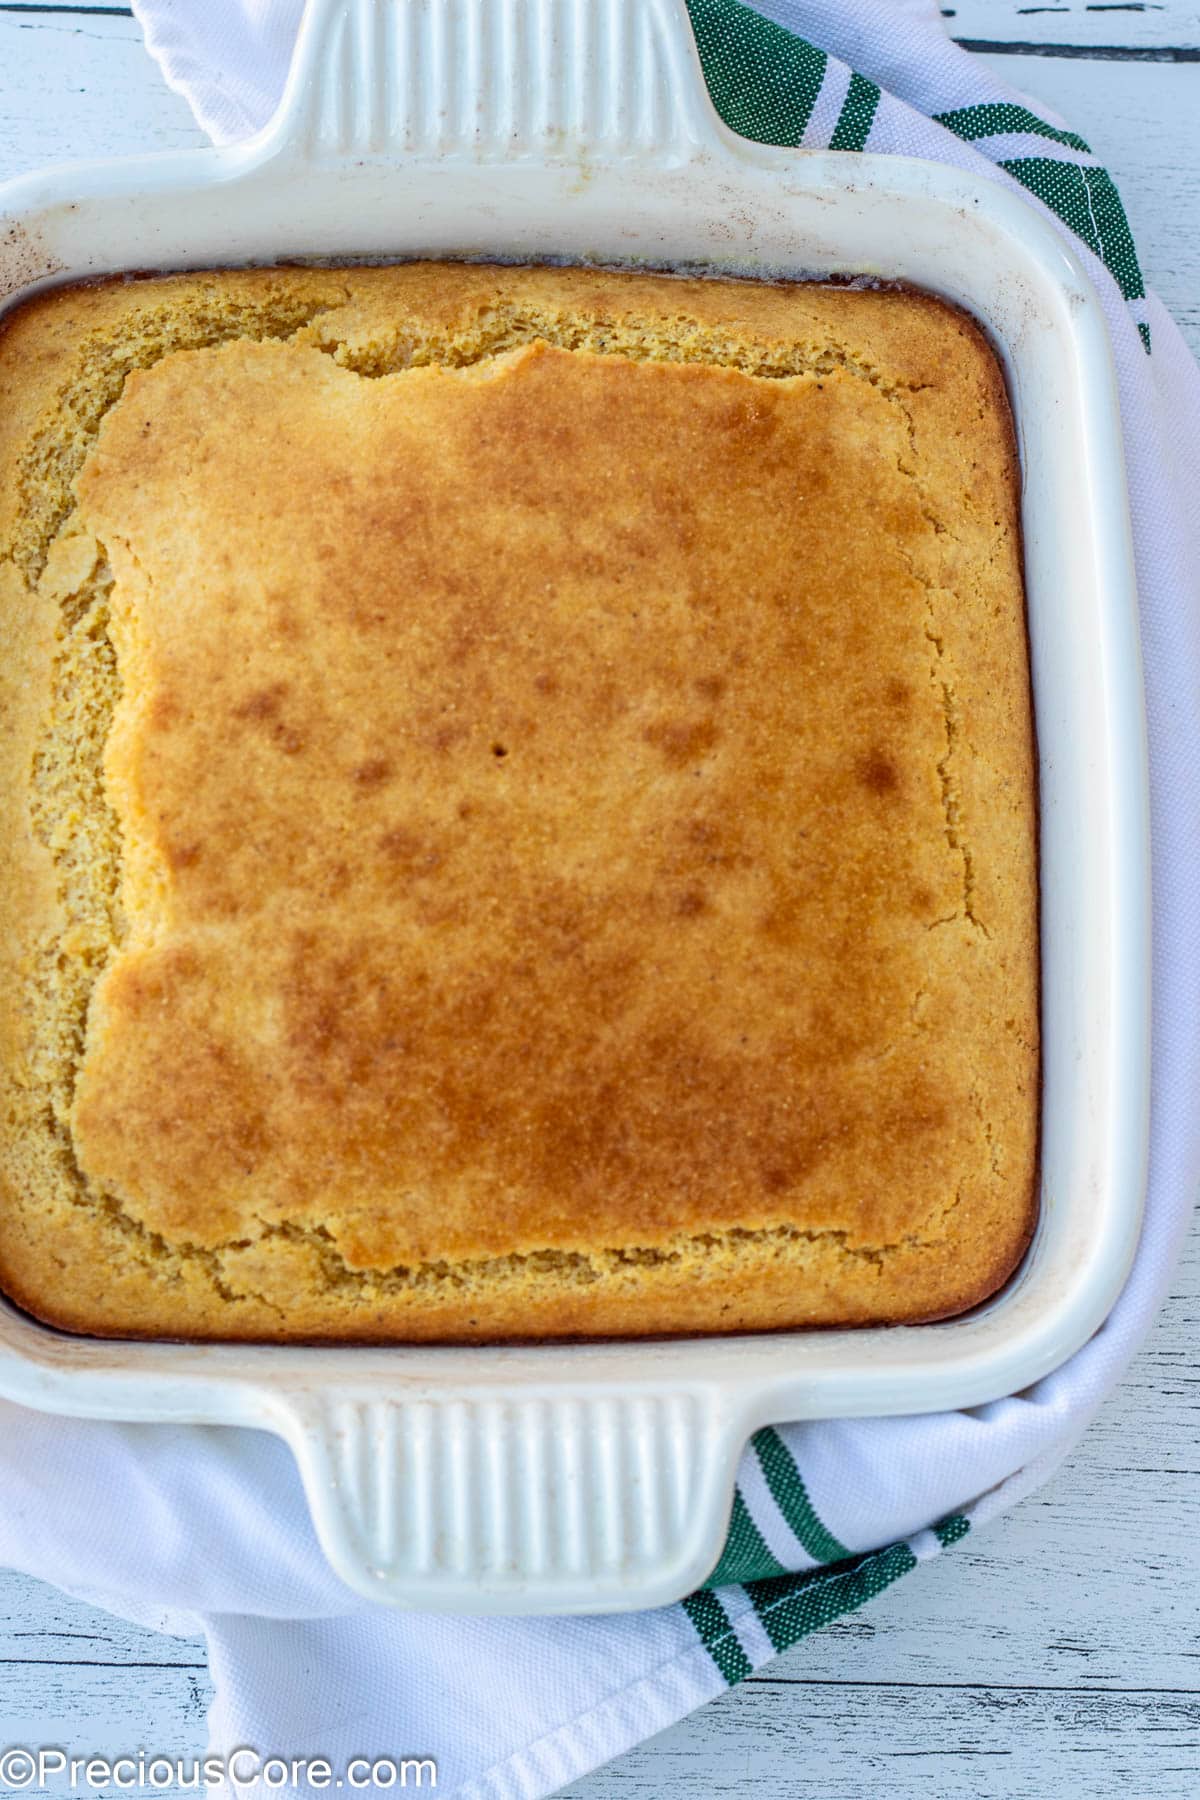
[(678, 1410)]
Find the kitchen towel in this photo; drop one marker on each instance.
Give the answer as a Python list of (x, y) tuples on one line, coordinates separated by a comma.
[(204, 1531)]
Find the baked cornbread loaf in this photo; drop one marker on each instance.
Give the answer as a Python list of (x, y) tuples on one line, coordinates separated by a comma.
[(520, 801)]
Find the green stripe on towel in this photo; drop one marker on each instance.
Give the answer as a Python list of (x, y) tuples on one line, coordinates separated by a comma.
[(789, 1607), (717, 1635), (793, 1605), (763, 81), (999, 117), (791, 1497), (1087, 202), (857, 115), (950, 1529), (745, 1556)]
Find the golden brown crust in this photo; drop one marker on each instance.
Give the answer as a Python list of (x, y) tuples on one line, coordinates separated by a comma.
[(531, 828)]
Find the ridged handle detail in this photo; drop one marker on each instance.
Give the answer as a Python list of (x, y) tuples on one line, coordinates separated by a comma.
[(546, 1501), (494, 80)]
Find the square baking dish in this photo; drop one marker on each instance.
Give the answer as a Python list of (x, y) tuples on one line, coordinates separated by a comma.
[(600, 1476)]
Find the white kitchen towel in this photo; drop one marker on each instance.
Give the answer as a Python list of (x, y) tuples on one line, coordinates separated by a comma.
[(200, 1530)]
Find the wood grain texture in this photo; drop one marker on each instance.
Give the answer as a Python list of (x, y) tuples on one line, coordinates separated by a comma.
[(1110, 30), (75, 86), (74, 1677), (1061, 1649)]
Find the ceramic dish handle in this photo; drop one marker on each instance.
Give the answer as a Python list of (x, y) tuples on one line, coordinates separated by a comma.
[(482, 1502), (495, 80)]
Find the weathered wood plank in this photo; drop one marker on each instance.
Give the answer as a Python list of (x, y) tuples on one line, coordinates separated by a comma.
[(1089, 24), (75, 1677), (74, 87), (41, 1626), (849, 1742), (1113, 26)]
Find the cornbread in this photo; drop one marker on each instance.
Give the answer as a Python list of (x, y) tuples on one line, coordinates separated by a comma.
[(520, 802)]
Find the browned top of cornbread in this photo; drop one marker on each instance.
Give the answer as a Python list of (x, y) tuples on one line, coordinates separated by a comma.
[(523, 799)]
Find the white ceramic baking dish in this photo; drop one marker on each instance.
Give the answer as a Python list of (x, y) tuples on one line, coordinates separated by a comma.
[(531, 1479)]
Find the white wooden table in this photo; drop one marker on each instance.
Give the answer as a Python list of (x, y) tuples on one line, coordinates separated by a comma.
[(1061, 1651)]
